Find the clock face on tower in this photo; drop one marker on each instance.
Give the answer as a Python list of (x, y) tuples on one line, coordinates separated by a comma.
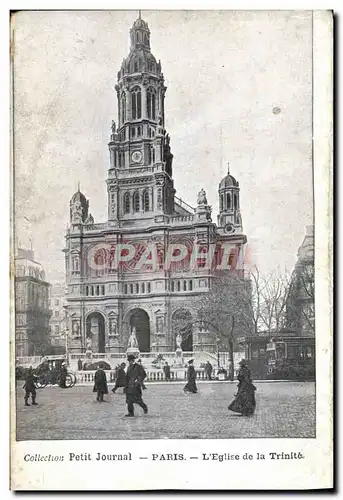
[(136, 156)]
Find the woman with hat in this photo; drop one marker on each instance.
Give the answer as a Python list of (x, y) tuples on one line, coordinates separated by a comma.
[(244, 402), (191, 377), (120, 378)]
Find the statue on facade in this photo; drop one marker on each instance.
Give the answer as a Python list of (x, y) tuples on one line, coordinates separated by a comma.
[(133, 342), (167, 140), (89, 343), (178, 342), (89, 220), (113, 127), (160, 119), (202, 200)]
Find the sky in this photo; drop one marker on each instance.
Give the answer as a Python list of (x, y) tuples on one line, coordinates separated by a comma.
[(239, 91)]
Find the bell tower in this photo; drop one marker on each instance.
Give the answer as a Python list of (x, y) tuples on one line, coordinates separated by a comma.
[(140, 183), (229, 218)]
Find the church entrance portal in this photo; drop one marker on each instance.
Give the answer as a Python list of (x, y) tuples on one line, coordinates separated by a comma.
[(95, 332), (139, 320)]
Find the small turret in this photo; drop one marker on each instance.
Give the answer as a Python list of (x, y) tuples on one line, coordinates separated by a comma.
[(229, 217)]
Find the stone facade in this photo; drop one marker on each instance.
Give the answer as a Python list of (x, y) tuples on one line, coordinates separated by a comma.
[(32, 313), (104, 301)]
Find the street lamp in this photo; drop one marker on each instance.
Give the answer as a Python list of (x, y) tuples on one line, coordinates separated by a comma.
[(218, 360)]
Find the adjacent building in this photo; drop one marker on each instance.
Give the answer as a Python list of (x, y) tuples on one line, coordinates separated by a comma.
[(113, 291), (32, 313), (300, 316), (58, 318)]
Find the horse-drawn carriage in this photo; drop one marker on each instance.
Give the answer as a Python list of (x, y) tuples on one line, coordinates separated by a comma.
[(52, 370)]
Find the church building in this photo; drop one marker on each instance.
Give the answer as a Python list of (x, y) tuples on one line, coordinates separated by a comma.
[(140, 269)]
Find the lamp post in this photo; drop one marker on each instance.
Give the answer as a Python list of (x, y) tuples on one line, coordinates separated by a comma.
[(218, 360)]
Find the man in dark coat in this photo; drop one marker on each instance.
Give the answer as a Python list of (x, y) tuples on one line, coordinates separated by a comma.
[(30, 387), (120, 378), (63, 376), (166, 370), (191, 377), (100, 385), (133, 387), (208, 370), (79, 364)]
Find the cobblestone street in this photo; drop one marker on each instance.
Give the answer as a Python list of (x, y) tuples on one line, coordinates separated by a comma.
[(284, 410)]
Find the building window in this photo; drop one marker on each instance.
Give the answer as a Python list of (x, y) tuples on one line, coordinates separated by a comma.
[(133, 132), (57, 302), (57, 330), (127, 203), (87, 290), (185, 286), (178, 286), (136, 204), (151, 103), (190, 284), (143, 287), (149, 156), (123, 107), (139, 131), (131, 288), (172, 286), (146, 201), (92, 289), (235, 201), (137, 288), (125, 289), (228, 200), (151, 66), (221, 202), (149, 287), (57, 314), (136, 103), (102, 289), (153, 154)]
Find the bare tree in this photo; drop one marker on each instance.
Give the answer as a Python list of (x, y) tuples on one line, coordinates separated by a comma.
[(273, 301)]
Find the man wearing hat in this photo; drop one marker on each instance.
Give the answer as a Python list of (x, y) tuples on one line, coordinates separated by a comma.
[(120, 378), (133, 386), (191, 377), (63, 375)]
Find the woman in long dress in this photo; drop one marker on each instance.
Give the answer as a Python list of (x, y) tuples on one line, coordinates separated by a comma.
[(100, 385), (191, 377), (244, 402)]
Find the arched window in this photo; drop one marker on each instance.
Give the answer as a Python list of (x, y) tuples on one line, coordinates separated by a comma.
[(102, 289), (136, 103), (178, 286), (87, 290), (125, 289), (221, 202), (97, 289), (146, 201), (185, 286), (235, 201), (151, 103), (131, 288), (92, 290), (228, 200), (190, 284), (133, 131), (153, 154), (127, 203), (136, 204), (123, 107), (139, 131), (149, 156), (137, 288), (149, 287), (143, 287)]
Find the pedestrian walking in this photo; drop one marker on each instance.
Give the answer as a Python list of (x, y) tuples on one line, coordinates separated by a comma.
[(244, 402), (133, 387), (100, 385), (120, 378), (140, 363), (63, 376), (30, 387), (79, 364), (191, 377), (208, 370), (166, 370)]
